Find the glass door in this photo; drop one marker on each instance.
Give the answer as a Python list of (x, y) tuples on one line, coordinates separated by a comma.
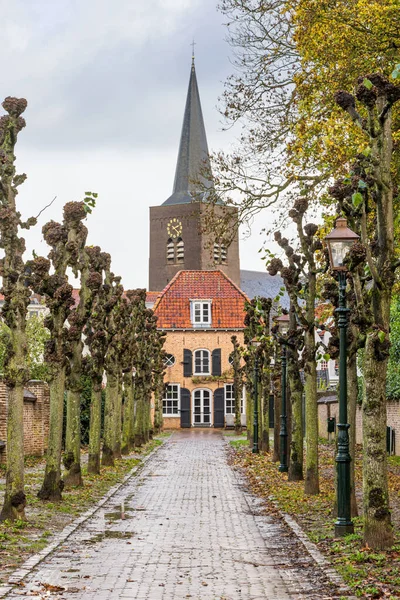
[(202, 407)]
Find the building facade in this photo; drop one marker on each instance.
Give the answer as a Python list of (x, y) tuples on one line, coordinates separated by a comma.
[(200, 311)]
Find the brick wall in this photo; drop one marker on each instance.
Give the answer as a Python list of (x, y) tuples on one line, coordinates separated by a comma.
[(393, 420), (177, 341), (36, 418)]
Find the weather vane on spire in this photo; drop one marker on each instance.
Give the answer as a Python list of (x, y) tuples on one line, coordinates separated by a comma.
[(193, 44)]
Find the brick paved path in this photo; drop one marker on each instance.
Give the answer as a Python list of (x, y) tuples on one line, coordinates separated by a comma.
[(189, 532)]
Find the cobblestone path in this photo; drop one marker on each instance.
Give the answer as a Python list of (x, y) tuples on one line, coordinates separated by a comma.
[(189, 532)]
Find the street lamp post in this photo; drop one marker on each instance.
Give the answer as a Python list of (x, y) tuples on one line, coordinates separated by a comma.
[(283, 327), (255, 343), (339, 242)]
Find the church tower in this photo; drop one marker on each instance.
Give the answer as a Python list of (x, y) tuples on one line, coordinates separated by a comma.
[(179, 239)]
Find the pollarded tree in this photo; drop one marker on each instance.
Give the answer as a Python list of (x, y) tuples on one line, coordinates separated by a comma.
[(16, 292), (57, 292), (376, 97), (81, 260), (235, 358), (113, 372), (128, 347), (257, 321), (97, 342), (294, 344), (300, 279), (158, 379)]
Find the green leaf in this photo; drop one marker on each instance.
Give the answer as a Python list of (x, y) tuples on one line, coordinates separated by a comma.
[(362, 185), (327, 357), (95, 195), (368, 84), (366, 151), (357, 199), (381, 336), (396, 72), (88, 193)]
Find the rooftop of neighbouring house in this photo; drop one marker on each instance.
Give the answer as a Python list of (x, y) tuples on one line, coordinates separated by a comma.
[(261, 283), (173, 307), (151, 298)]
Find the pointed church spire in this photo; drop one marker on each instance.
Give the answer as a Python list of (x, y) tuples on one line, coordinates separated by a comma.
[(193, 162)]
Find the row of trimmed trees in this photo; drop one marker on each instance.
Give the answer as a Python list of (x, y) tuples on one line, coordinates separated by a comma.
[(301, 132), (107, 335), (365, 197)]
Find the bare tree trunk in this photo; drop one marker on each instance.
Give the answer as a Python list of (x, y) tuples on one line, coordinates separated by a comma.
[(249, 413), (14, 499), (118, 421), (277, 412), (52, 483), (95, 429), (378, 532), (296, 397), (264, 417), (352, 396), (127, 429), (311, 483), (72, 457), (107, 458)]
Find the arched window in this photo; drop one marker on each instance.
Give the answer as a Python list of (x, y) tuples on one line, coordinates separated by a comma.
[(180, 250), (175, 250), (201, 362), (170, 251), (220, 253)]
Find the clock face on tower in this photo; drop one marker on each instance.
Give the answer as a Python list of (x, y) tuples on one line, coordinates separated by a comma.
[(174, 228)]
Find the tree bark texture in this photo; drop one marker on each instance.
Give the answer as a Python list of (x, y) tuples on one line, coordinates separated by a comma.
[(95, 429), (378, 531), (72, 457), (311, 483), (352, 396), (52, 485), (107, 458), (14, 499), (296, 398), (128, 422)]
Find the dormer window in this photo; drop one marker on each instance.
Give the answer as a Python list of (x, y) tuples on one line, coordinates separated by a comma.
[(200, 312)]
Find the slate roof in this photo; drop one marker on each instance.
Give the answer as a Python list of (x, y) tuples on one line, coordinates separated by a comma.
[(227, 301), (193, 161), (260, 283)]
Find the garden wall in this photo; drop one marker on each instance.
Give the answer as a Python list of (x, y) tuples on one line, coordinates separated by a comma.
[(36, 418), (328, 407)]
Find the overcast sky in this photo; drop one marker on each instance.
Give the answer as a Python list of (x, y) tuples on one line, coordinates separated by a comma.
[(106, 86)]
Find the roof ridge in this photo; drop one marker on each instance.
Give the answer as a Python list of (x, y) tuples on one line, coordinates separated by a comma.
[(164, 291)]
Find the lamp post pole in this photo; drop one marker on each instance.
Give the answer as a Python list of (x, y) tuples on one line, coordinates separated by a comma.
[(255, 417), (343, 524), (283, 434)]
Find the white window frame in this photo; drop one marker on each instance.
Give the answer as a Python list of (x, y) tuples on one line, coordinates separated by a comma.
[(175, 402), (202, 371), (229, 396), (200, 313), (202, 422)]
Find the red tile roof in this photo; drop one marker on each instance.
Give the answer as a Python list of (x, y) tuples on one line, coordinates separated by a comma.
[(227, 308), (152, 296)]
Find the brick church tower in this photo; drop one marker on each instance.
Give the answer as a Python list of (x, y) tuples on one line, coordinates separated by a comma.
[(179, 239)]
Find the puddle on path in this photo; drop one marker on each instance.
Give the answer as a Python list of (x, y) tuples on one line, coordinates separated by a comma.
[(119, 535)]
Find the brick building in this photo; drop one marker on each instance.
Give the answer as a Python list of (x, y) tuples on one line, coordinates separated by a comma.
[(200, 311)]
